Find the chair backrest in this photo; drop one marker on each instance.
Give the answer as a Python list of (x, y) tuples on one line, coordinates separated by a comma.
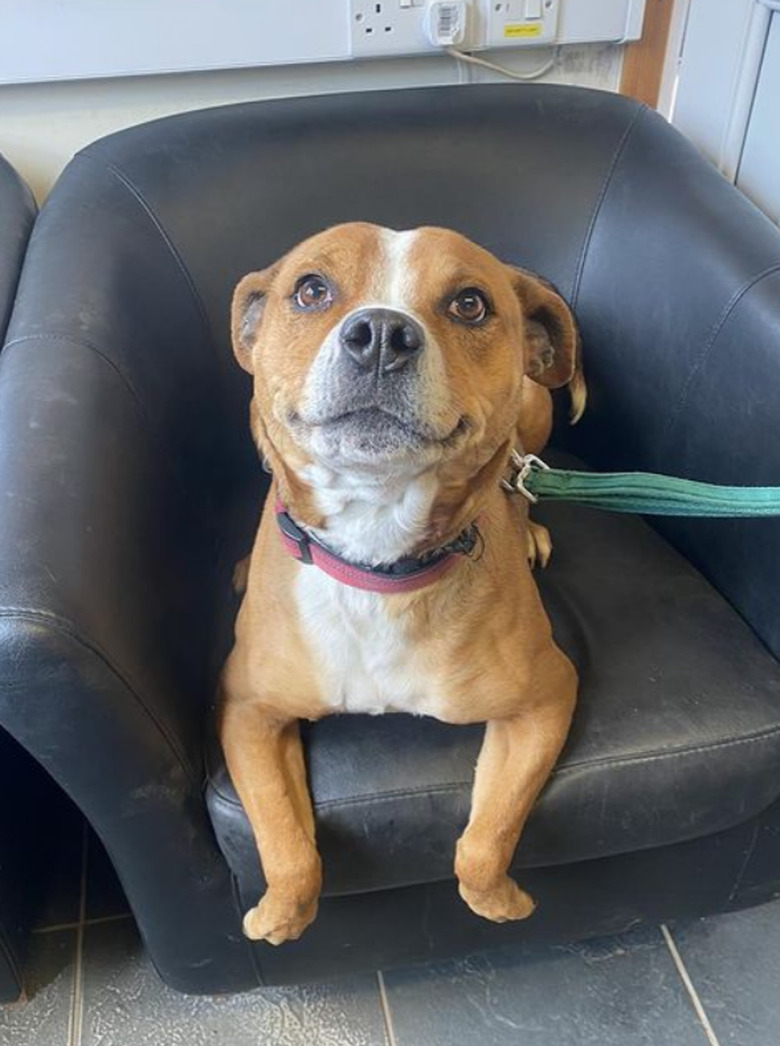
[(145, 235), (141, 242)]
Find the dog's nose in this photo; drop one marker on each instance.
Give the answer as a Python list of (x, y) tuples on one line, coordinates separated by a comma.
[(382, 339)]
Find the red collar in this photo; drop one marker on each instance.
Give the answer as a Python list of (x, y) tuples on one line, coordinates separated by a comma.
[(405, 575)]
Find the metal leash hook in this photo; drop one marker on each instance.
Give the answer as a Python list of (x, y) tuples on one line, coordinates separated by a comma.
[(523, 465)]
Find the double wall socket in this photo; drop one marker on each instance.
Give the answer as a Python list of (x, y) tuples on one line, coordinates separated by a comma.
[(396, 27), (386, 27)]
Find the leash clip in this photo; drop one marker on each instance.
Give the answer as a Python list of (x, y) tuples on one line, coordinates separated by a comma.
[(523, 465)]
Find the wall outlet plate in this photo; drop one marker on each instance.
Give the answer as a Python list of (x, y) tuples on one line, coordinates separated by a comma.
[(521, 23), (384, 27), (401, 27)]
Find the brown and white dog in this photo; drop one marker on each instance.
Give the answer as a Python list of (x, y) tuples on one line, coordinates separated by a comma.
[(391, 382)]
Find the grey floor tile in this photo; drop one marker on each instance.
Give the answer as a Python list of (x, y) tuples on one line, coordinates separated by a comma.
[(125, 1004), (734, 963), (105, 896), (623, 991), (43, 1019)]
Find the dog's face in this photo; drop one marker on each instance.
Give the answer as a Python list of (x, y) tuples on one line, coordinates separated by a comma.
[(392, 351)]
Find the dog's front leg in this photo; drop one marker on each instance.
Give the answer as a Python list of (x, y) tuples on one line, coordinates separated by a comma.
[(265, 759), (516, 759)]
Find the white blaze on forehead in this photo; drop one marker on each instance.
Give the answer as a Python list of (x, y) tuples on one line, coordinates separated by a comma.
[(398, 277), (328, 392)]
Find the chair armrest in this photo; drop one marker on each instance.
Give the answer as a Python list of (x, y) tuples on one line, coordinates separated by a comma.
[(100, 544), (112, 458), (108, 575), (679, 304), (105, 678)]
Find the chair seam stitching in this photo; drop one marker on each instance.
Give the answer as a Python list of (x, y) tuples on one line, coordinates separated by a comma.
[(700, 361), (65, 626), (136, 193), (577, 282), (81, 343), (618, 761)]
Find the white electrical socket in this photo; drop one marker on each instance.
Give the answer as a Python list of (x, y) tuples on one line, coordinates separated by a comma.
[(400, 27), (518, 23), (385, 27)]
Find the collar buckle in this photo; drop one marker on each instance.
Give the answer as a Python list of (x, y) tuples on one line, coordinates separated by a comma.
[(296, 535)]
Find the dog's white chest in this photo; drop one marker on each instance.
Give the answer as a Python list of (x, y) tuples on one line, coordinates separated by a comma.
[(360, 654)]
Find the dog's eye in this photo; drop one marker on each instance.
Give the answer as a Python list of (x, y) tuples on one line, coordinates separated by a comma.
[(469, 306), (312, 292)]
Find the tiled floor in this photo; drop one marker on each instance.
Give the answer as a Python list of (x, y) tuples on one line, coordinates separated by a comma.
[(711, 981)]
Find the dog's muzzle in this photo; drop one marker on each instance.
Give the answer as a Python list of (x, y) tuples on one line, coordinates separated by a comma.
[(371, 393), (381, 340)]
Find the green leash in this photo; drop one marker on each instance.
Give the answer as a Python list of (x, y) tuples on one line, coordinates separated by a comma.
[(646, 493)]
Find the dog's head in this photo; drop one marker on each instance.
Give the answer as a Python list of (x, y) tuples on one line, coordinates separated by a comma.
[(394, 352)]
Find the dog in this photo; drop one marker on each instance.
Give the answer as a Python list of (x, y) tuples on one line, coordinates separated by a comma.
[(394, 373)]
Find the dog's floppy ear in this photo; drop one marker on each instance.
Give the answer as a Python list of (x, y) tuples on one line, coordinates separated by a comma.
[(551, 335), (249, 301)]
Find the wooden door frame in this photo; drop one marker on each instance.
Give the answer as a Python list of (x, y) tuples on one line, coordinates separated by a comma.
[(643, 60)]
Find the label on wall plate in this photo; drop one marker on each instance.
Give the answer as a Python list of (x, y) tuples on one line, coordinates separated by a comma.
[(522, 30)]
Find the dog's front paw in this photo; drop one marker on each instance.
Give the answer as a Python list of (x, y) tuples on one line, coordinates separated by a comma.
[(504, 902), (278, 918), (539, 544)]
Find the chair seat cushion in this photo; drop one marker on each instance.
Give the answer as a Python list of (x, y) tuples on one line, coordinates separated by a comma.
[(676, 734)]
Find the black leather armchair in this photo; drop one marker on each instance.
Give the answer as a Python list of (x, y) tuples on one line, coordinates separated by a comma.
[(129, 487), (18, 874)]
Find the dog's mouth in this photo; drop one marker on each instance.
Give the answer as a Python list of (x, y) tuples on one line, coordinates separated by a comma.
[(374, 419), (373, 433)]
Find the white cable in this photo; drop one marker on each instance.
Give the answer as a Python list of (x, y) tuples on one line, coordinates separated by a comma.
[(464, 72), (472, 60)]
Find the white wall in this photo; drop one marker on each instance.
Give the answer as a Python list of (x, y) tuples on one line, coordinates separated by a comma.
[(715, 48), (43, 125), (758, 174), (727, 95)]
